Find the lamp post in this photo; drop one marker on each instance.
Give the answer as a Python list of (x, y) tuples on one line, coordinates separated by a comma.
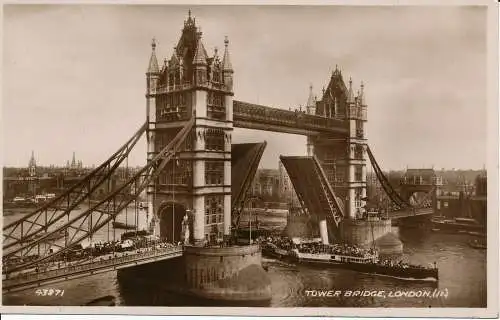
[(250, 220), (173, 200)]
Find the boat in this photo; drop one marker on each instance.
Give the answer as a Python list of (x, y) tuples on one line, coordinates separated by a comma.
[(19, 204), (478, 244), (121, 225), (134, 234), (360, 260), (457, 225), (51, 236), (272, 251), (106, 301)]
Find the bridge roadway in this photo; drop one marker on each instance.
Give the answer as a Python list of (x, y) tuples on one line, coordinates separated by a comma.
[(405, 213), (101, 264)]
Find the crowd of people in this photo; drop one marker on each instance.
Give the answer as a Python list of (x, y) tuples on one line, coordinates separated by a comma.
[(404, 265), (96, 250), (315, 247), (337, 249), (281, 242)]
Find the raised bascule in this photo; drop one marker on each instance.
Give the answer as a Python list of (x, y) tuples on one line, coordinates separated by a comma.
[(196, 180)]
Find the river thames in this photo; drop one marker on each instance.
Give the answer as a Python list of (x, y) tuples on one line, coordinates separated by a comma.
[(462, 273)]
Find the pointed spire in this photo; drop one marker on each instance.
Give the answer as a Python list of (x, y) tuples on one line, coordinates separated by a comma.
[(361, 96), (310, 100), (226, 61), (190, 21), (174, 60), (200, 56), (336, 71), (32, 162), (153, 62), (350, 93)]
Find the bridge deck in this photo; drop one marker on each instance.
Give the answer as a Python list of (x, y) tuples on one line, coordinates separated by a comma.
[(259, 117), (312, 187), (245, 158), (24, 281)]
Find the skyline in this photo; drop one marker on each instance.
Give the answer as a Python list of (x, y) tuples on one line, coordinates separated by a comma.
[(417, 72), (91, 165)]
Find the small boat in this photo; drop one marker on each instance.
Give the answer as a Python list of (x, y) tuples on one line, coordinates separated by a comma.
[(106, 301), (121, 225), (50, 237), (478, 244)]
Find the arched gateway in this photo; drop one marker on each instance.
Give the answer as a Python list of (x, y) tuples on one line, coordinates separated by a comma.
[(170, 216)]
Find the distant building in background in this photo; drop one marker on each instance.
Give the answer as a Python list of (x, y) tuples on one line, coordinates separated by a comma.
[(32, 165), (481, 185), (266, 184), (75, 165), (287, 191), (274, 185)]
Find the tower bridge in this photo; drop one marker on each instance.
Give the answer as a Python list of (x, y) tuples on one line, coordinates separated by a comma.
[(195, 177)]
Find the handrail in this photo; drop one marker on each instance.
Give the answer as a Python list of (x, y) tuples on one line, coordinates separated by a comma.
[(29, 276)]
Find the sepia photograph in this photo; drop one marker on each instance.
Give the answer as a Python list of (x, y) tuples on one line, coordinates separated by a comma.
[(314, 157)]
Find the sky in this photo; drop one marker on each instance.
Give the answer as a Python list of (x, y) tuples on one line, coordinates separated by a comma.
[(74, 75)]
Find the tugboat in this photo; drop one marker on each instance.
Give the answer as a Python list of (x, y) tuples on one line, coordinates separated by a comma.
[(351, 258)]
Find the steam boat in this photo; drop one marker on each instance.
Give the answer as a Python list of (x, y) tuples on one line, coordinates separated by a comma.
[(351, 258)]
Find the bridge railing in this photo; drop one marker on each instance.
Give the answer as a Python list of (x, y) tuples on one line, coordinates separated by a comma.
[(92, 264)]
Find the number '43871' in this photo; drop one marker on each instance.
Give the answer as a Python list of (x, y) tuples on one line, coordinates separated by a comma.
[(49, 292)]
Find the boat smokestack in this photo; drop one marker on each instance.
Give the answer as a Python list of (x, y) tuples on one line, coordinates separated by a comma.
[(323, 231)]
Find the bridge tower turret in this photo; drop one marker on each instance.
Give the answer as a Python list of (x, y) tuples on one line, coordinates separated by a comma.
[(310, 109), (356, 180), (152, 77)]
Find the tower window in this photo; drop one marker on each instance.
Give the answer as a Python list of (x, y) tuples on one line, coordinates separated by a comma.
[(214, 140), (358, 173), (214, 172), (215, 105), (214, 215)]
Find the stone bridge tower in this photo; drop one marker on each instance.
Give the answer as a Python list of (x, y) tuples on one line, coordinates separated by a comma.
[(191, 83), (343, 157)]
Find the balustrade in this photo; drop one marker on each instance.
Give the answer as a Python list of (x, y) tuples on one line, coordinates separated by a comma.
[(94, 264)]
